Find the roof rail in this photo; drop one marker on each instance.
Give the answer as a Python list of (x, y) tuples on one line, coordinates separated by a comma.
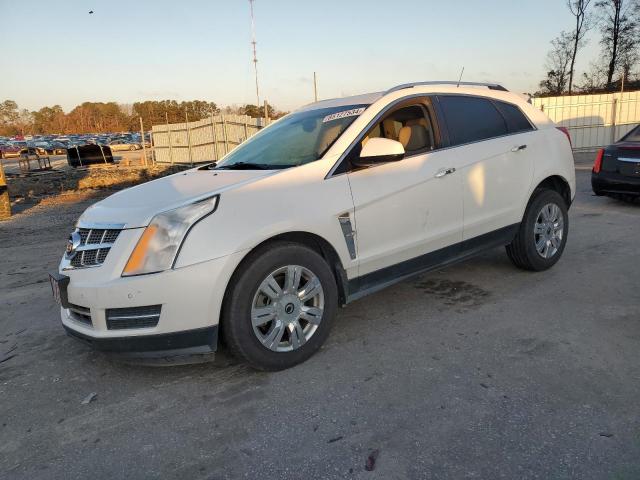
[(491, 86)]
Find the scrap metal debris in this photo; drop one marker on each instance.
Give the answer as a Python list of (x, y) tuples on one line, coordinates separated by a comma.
[(89, 398)]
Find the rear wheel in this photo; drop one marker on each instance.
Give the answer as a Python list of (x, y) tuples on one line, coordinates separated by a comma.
[(280, 306), (542, 235)]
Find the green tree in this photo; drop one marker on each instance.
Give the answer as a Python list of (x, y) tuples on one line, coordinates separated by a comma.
[(258, 112), (579, 9), (49, 120), (154, 112), (8, 116), (558, 61), (95, 117), (620, 29)]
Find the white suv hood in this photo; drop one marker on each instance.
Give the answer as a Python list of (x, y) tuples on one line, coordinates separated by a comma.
[(136, 206)]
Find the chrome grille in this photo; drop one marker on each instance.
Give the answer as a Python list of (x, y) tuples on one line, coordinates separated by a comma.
[(95, 236), (95, 244)]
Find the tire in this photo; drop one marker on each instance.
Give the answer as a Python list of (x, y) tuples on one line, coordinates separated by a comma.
[(132, 148), (246, 299), (523, 251)]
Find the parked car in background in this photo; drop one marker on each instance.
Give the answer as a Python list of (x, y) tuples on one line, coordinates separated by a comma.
[(58, 147), (8, 150), (616, 170), (119, 145), (330, 203)]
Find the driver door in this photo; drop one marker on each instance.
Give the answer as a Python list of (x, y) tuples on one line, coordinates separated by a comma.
[(407, 211)]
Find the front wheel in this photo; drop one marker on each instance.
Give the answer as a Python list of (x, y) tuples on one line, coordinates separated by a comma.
[(542, 235), (280, 306)]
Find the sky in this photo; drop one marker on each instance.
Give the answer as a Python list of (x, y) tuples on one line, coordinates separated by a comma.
[(55, 52)]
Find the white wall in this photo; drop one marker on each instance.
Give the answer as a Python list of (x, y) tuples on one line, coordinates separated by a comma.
[(593, 120)]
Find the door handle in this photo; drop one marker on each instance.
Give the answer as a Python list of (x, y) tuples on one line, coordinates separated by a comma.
[(518, 148), (444, 171)]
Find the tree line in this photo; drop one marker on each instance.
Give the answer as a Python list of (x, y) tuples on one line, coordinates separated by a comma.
[(618, 23), (95, 117)]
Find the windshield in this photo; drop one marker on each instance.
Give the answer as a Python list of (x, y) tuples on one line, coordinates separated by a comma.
[(294, 140)]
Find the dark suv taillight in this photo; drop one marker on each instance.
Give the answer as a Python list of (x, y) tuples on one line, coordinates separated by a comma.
[(597, 165)]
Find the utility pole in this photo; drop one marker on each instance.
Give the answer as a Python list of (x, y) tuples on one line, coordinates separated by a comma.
[(315, 86), (255, 57)]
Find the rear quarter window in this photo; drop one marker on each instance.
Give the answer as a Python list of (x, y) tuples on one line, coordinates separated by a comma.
[(632, 136), (516, 120), (471, 119)]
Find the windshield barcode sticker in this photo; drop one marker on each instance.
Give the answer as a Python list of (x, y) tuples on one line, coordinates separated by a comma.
[(346, 113)]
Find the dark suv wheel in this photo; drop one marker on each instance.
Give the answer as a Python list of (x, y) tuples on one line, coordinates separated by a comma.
[(542, 235), (279, 307)]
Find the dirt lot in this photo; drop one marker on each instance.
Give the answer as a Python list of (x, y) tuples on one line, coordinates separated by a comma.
[(59, 162), (476, 371)]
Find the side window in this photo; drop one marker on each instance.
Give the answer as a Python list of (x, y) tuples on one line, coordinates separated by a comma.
[(411, 126), (516, 121), (471, 119)]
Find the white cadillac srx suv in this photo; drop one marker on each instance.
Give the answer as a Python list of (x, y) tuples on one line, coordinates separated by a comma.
[(332, 202)]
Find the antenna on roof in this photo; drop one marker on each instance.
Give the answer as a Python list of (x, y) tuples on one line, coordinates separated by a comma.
[(460, 79)]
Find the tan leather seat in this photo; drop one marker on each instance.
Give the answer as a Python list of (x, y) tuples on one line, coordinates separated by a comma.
[(390, 127), (425, 123), (414, 137)]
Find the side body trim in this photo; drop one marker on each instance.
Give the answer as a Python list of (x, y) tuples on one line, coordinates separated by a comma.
[(349, 234), (374, 281)]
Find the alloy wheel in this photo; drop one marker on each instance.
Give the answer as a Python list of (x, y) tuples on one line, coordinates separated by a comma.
[(548, 230), (287, 308)]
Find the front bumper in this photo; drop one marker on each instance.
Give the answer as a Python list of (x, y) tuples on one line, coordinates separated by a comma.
[(198, 341), (190, 298), (608, 182)]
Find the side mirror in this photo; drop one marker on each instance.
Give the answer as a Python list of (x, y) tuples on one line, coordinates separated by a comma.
[(379, 150)]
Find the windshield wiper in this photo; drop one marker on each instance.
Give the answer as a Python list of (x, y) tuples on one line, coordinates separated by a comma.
[(245, 166), (209, 166)]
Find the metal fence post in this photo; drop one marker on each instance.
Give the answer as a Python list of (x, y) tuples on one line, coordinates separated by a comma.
[(5, 202), (166, 117), (186, 120), (214, 138), (224, 133), (152, 148), (614, 103)]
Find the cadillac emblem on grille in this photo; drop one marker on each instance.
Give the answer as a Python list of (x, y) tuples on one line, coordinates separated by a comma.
[(73, 243)]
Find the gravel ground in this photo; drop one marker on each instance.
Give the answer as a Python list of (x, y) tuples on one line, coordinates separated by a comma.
[(59, 162), (477, 371)]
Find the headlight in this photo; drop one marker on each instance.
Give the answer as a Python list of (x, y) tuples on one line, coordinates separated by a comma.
[(157, 248)]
